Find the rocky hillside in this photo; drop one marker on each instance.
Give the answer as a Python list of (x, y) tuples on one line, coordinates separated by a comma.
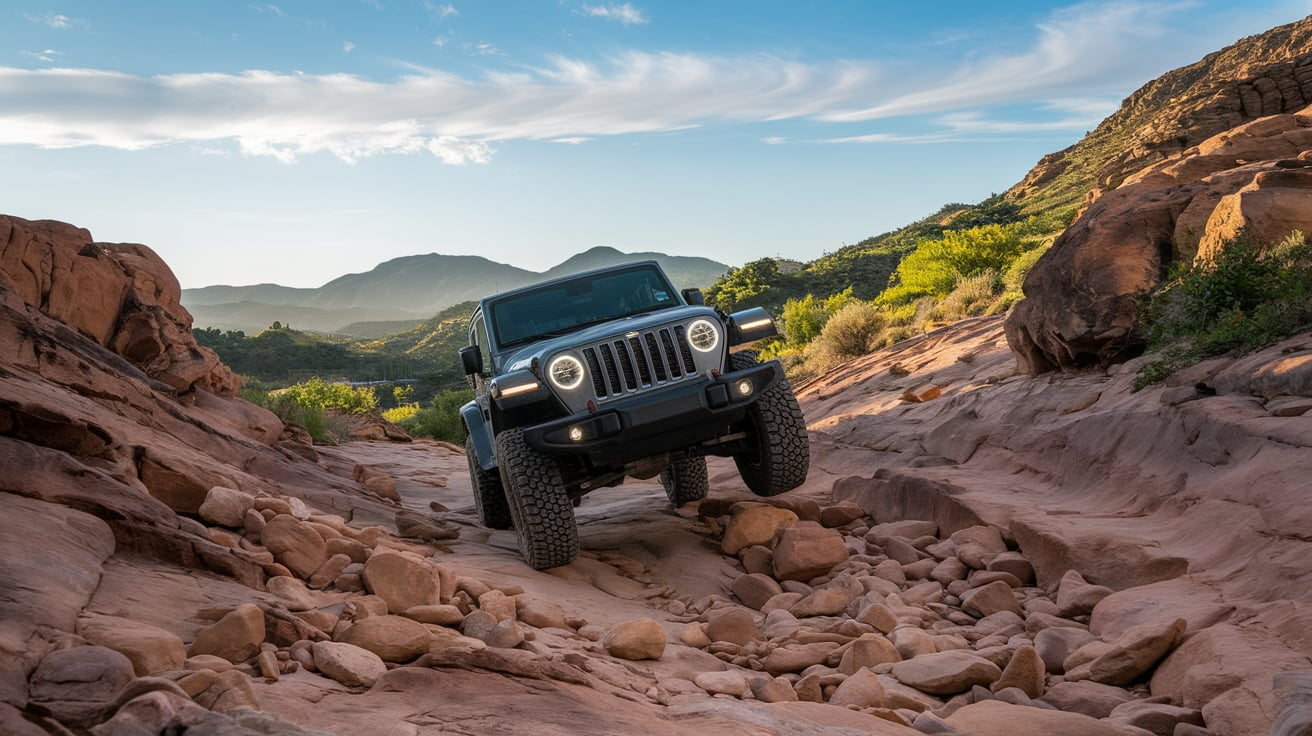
[(412, 288), (1261, 75)]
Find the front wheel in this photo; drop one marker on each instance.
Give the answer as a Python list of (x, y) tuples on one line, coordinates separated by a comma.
[(685, 481), (489, 496), (778, 453), (541, 510)]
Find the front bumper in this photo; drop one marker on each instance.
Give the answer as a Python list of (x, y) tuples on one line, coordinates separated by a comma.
[(661, 420)]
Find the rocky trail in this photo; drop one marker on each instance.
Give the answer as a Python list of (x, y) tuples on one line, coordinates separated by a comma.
[(976, 552)]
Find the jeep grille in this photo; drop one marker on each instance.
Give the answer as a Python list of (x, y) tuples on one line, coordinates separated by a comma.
[(637, 362)]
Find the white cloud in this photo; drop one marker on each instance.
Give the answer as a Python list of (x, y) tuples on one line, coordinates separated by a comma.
[(48, 55), (348, 46), (624, 13), (1085, 46), (58, 21), (262, 9), (444, 10), (1078, 68)]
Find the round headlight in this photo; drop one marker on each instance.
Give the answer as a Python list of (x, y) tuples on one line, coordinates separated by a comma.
[(703, 335), (566, 372)]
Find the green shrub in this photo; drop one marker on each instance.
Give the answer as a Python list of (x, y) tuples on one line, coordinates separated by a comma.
[(398, 414), (804, 318), (441, 421), (1247, 298), (972, 295), (317, 394), (852, 330), (936, 266)]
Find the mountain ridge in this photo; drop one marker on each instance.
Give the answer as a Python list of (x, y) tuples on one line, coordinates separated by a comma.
[(407, 288)]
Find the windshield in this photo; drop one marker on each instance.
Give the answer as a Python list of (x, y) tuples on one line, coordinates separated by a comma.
[(565, 306)]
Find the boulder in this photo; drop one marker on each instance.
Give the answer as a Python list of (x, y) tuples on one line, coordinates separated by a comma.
[(348, 664), (635, 640), (1092, 699), (861, 689), (1054, 645), (295, 544), (226, 507), (754, 589), (946, 673), (733, 625), (992, 598), (822, 602), (722, 683), (869, 651), (995, 718), (1025, 671), (236, 637), (1082, 297), (754, 524), (1133, 654), (402, 580), (1077, 596), (806, 550), (392, 638), (149, 648), (79, 683)]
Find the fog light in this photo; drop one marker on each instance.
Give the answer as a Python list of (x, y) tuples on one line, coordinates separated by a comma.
[(576, 433), (745, 387)]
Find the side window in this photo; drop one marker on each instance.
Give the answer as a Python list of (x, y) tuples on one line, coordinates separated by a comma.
[(478, 336)]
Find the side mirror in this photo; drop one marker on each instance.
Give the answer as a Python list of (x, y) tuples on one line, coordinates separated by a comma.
[(693, 296), (750, 325), (471, 359)]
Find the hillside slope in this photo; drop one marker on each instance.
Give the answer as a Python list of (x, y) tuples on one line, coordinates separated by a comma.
[(1259, 75)]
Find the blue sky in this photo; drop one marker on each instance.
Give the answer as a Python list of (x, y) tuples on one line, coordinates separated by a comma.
[(296, 141)]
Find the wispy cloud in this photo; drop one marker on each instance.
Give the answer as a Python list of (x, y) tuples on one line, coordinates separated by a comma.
[(443, 10), (58, 21), (48, 55), (271, 9), (1084, 46), (624, 13), (1073, 75), (348, 46)]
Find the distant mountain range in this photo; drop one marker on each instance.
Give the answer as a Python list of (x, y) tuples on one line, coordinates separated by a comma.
[(405, 291)]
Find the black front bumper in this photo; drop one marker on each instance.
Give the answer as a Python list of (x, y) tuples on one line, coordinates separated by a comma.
[(661, 420)]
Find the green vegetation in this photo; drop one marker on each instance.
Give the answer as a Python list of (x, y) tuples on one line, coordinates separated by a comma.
[(1247, 298), (973, 266), (314, 405), (441, 420)]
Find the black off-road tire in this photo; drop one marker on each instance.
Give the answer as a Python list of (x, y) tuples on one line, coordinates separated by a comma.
[(685, 481), (541, 510), (489, 496), (778, 454)]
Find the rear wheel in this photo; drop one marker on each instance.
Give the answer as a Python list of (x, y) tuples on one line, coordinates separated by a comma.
[(685, 481), (541, 510), (489, 496), (778, 453)]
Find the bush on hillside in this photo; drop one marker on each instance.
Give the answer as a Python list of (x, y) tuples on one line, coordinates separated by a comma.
[(441, 420), (971, 297), (804, 318), (852, 330), (1247, 298), (318, 394), (935, 266)]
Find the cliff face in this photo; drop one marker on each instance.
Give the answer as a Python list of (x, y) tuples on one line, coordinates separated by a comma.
[(1261, 75), (119, 295)]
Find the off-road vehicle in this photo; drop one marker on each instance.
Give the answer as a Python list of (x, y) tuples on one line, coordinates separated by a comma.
[(585, 380)]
